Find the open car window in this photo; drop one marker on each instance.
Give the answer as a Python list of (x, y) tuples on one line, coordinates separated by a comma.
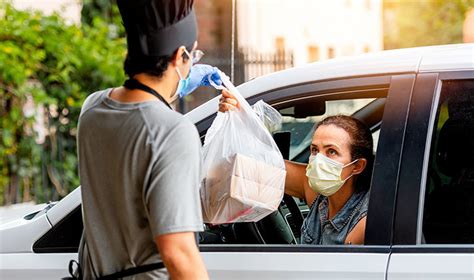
[(302, 129), (299, 118)]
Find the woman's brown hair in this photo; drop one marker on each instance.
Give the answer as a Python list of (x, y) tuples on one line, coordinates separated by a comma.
[(361, 144)]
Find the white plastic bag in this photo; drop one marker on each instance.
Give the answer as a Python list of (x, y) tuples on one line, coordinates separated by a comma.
[(244, 170), (270, 117)]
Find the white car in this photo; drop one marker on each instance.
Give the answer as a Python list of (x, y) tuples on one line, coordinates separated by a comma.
[(419, 104)]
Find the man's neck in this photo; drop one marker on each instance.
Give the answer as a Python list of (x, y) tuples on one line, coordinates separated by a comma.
[(165, 86)]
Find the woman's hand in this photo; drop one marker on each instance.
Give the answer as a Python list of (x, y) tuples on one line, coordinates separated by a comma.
[(227, 102)]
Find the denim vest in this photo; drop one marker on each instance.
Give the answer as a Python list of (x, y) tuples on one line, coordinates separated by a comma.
[(318, 229)]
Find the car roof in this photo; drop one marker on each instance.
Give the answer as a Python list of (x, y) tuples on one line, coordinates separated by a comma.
[(410, 60)]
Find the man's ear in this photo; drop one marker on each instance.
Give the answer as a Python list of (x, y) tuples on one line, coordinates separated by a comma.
[(177, 59), (359, 166)]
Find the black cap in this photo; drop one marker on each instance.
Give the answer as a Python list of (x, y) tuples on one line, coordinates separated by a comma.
[(158, 27)]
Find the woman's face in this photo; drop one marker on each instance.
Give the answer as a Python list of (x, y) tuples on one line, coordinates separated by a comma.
[(334, 143)]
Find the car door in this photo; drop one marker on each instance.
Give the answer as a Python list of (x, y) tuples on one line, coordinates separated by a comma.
[(277, 261), (434, 221), (47, 254), (280, 261)]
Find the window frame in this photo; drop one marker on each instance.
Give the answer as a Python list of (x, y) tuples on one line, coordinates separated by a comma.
[(415, 163), (400, 88), (379, 223), (302, 153)]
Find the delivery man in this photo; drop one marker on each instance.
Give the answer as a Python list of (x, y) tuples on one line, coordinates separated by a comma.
[(139, 160)]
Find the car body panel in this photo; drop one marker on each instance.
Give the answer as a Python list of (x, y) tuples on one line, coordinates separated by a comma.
[(387, 160), (413, 156), (24, 266), (18, 211), (413, 172), (251, 265), (225, 265), (28, 231), (448, 58), (431, 266), (67, 204), (410, 257)]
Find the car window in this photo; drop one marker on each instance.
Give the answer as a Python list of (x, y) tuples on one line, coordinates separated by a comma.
[(280, 227), (449, 195), (302, 128), (64, 236)]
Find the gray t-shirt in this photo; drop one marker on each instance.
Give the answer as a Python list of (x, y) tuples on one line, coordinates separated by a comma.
[(140, 171)]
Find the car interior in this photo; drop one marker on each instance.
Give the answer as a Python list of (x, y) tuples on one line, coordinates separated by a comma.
[(283, 226)]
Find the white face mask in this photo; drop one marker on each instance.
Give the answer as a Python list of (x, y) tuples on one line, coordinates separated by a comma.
[(324, 174)]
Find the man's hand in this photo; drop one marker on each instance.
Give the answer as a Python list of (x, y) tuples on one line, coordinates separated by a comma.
[(181, 256), (201, 75), (227, 102)]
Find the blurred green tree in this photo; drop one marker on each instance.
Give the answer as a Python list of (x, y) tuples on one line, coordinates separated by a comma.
[(47, 68), (409, 23), (106, 11)]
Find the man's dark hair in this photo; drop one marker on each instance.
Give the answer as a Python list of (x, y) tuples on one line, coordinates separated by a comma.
[(153, 66)]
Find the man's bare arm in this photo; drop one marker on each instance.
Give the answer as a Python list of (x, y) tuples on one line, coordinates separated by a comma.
[(181, 256)]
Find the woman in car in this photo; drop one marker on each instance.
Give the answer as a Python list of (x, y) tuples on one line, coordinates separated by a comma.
[(335, 182)]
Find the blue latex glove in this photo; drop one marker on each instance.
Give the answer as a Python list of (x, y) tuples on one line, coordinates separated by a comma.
[(199, 76)]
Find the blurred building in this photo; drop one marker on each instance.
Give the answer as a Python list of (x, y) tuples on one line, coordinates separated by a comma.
[(312, 29), (468, 28), (272, 35), (306, 30), (68, 9)]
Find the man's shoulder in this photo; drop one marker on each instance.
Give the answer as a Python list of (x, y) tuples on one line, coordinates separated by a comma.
[(93, 99), (158, 117)]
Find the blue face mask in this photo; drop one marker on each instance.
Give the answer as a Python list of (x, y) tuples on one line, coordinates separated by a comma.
[(182, 84)]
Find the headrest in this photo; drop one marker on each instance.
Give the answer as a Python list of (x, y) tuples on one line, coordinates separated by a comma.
[(455, 148)]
